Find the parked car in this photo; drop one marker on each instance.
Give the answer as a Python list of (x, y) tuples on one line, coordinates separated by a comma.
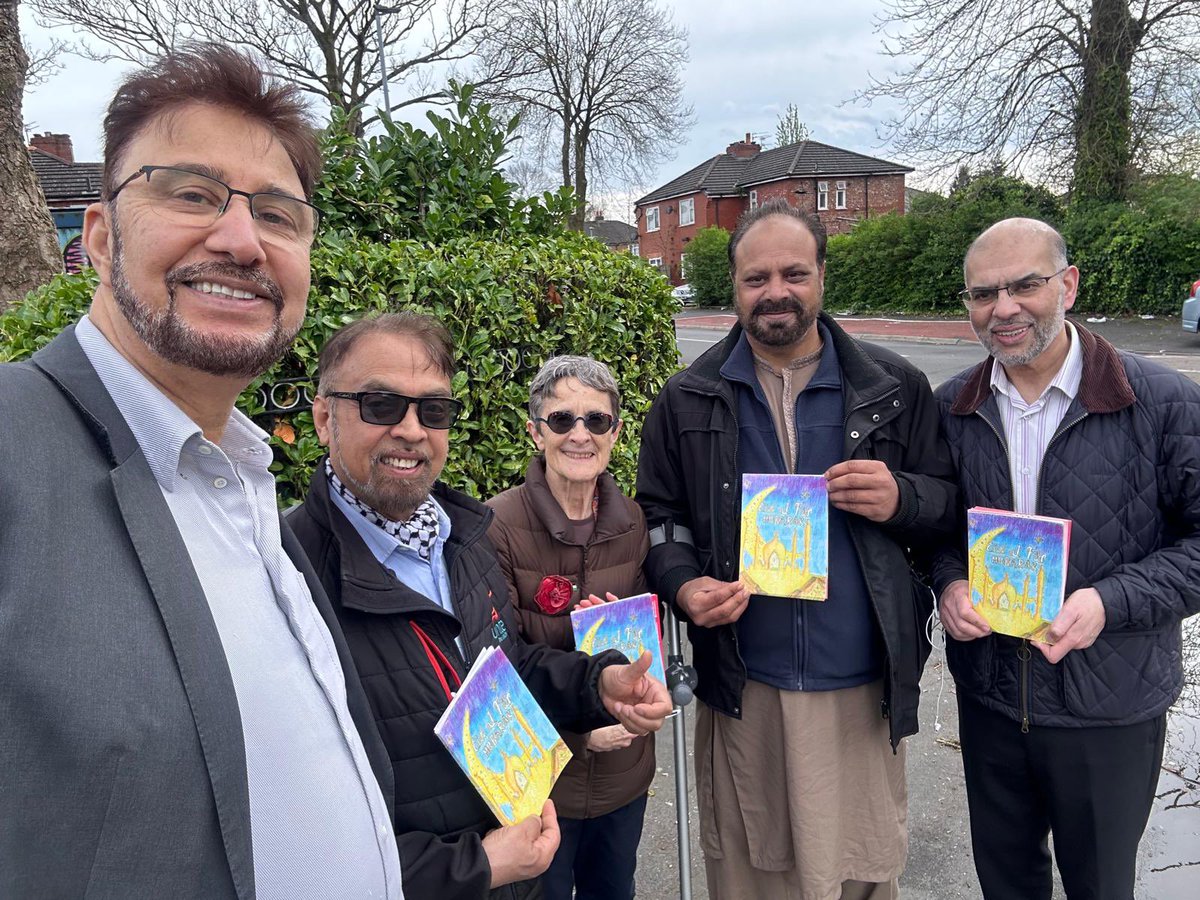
[(683, 295), (1191, 310)]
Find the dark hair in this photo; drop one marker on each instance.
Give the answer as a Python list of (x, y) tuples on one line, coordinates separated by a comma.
[(427, 331), (220, 76), (778, 206)]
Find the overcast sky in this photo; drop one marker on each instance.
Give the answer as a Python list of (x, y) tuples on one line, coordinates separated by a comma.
[(748, 62)]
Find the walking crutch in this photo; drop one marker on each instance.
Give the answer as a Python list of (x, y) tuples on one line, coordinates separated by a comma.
[(681, 682)]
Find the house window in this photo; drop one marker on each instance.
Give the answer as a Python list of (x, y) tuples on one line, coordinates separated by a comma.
[(822, 195), (656, 262), (635, 248), (754, 199), (687, 211), (839, 199), (652, 219)]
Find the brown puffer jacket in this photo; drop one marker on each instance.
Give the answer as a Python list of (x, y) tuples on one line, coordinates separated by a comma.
[(533, 539)]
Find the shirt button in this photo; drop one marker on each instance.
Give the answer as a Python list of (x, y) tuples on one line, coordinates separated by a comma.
[(1025, 471), (219, 482), (205, 449)]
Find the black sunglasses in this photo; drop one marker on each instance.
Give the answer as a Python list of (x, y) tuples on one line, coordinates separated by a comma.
[(562, 422), (386, 408)]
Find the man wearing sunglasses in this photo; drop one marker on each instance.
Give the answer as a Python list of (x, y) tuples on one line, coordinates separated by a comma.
[(1066, 735), (178, 717), (419, 592)]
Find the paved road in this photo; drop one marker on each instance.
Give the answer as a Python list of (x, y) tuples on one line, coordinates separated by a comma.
[(939, 861)]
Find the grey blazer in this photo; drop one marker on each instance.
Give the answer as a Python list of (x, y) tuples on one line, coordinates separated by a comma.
[(122, 763)]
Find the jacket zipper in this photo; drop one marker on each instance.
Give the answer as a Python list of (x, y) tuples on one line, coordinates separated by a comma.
[(884, 709), (1024, 654)]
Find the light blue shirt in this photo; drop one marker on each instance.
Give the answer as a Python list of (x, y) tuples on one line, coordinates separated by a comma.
[(429, 577), (319, 824)]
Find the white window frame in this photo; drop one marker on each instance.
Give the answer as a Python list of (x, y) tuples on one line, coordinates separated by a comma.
[(655, 261), (652, 221), (839, 198), (753, 200), (822, 195), (635, 248), (689, 204)]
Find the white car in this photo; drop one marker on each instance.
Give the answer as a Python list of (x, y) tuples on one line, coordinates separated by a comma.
[(1191, 310), (683, 294)]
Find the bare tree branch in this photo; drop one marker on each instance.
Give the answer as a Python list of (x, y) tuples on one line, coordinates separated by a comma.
[(1036, 80), (596, 82), (326, 47)]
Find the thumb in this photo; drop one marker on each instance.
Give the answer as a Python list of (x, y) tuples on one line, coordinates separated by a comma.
[(1061, 625), (636, 669)]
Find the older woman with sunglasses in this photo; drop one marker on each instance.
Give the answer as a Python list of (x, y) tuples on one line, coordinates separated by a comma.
[(564, 534)]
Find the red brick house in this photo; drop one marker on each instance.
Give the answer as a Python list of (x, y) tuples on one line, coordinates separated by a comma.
[(70, 187), (840, 186)]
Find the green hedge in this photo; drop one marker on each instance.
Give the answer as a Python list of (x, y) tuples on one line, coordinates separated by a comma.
[(508, 306), (1134, 257)]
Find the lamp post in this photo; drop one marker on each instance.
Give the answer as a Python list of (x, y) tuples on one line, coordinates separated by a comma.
[(383, 76)]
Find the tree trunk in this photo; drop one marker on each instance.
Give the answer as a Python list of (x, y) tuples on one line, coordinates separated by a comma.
[(1103, 114), (579, 180), (29, 254)]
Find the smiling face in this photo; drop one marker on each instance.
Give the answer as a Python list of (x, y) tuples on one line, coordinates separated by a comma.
[(1017, 331), (578, 457), (391, 468), (778, 285), (214, 298)]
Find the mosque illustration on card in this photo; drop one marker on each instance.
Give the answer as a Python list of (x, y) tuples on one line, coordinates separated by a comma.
[(502, 740), (785, 536), (1017, 568), (630, 625)]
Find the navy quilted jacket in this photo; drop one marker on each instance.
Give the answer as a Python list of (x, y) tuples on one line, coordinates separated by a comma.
[(1124, 466)]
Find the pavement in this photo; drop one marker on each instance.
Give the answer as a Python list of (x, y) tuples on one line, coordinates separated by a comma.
[(939, 865)]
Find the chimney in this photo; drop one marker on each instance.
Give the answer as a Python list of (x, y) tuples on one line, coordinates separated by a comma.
[(55, 144), (744, 149)]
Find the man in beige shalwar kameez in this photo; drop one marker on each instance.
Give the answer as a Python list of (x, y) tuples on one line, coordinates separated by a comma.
[(803, 703)]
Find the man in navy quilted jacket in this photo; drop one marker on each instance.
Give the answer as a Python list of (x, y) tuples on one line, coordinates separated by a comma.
[(1066, 735)]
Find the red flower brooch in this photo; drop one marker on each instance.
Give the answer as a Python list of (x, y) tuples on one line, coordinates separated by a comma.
[(553, 594)]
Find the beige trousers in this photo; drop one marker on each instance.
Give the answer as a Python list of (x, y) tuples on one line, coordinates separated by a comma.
[(802, 798)]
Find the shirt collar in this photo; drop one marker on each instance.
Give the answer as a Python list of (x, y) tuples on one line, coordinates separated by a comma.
[(739, 366), (163, 431), (1066, 379)]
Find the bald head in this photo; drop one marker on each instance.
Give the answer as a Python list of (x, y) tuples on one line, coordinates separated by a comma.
[(1023, 234)]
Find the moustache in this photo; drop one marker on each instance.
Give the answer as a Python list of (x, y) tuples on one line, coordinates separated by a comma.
[(263, 284), (769, 307)]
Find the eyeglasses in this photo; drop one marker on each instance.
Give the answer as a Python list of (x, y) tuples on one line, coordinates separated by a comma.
[(979, 298), (562, 422), (386, 408), (189, 198)]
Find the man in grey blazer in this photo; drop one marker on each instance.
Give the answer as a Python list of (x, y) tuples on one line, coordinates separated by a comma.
[(178, 713)]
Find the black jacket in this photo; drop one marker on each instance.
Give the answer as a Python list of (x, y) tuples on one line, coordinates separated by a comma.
[(1124, 467), (688, 474), (440, 819)]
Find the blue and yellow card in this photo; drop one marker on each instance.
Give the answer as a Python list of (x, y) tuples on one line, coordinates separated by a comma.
[(502, 740), (629, 625), (1018, 569), (785, 536)]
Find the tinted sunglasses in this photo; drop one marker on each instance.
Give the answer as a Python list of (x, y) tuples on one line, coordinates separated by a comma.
[(562, 422), (386, 408)]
